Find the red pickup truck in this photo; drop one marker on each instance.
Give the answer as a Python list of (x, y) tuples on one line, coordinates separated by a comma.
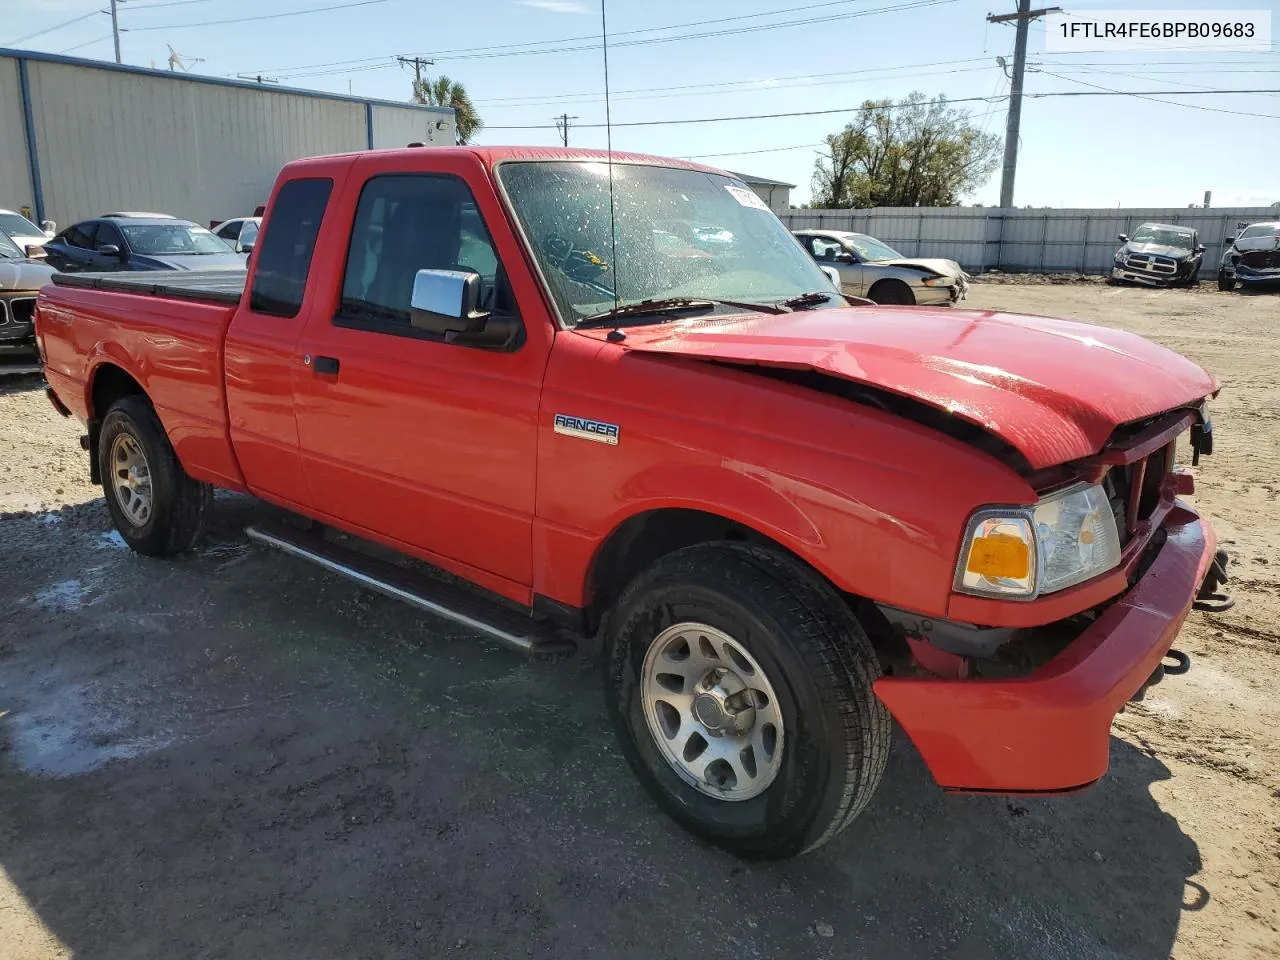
[(615, 398)]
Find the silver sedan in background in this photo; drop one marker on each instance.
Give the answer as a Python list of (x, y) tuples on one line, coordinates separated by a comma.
[(871, 269)]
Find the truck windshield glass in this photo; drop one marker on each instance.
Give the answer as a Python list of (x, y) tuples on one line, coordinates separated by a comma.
[(158, 239), (1163, 236), (871, 249), (680, 233), (1259, 230)]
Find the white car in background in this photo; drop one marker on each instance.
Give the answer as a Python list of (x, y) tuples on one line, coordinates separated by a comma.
[(23, 232), (241, 233)]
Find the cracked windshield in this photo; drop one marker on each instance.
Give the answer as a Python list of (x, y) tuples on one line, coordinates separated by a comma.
[(680, 233)]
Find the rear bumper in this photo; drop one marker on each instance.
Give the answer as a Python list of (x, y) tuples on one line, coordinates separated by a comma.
[(1050, 731)]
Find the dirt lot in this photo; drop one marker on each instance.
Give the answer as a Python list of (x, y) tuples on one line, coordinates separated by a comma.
[(235, 755)]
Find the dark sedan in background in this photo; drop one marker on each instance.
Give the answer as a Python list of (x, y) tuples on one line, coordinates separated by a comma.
[(139, 243), (1159, 255)]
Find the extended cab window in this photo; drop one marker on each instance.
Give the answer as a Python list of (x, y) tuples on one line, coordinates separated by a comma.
[(406, 223), (284, 256)]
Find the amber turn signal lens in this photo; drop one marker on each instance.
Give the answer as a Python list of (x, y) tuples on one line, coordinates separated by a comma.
[(999, 555)]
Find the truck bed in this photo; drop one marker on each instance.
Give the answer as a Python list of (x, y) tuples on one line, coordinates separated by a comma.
[(206, 286)]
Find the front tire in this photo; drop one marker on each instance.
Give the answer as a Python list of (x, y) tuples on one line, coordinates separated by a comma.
[(157, 508), (739, 683), (892, 292)]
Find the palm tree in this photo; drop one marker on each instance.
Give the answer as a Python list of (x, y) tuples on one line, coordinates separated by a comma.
[(443, 92)]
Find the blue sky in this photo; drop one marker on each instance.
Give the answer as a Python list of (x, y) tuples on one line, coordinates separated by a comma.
[(1076, 151)]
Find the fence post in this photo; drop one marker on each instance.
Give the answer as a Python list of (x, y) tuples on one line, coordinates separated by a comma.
[(1084, 246)]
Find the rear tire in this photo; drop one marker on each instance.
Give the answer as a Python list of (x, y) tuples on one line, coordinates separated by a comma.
[(1225, 282), (158, 509), (893, 292), (794, 636)]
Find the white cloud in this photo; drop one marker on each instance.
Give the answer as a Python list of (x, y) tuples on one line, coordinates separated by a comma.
[(555, 6)]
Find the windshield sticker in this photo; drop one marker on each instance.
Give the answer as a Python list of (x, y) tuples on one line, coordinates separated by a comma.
[(747, 198)]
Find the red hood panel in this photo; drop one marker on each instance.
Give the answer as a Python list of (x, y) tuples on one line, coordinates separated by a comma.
[(1053, 389)]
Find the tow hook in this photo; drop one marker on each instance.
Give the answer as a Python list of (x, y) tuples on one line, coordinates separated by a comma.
[(1212, 598), (1180, 665)]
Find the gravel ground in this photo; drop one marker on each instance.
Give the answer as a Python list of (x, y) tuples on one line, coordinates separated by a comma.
[(235, 755)]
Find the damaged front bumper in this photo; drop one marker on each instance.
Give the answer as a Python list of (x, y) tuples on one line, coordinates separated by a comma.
[(1049, 731)]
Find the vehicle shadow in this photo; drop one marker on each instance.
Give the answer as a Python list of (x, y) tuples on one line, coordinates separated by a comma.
[(233, 754)]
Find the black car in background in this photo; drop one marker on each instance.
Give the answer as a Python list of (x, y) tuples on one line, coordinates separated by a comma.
[(139, 243), (1159, 255)]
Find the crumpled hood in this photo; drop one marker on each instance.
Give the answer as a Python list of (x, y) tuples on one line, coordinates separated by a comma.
[(944, 268), (1053, 389), (1158, 250), (24, 274), (1258, 243)]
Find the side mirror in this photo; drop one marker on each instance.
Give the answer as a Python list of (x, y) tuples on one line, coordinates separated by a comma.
[(248, 245), (1122, 237), (832, 274), (35, 251), (1200, 248), (109, 250), (1228, 241), (49, 227), (446, 303), (844, 256)]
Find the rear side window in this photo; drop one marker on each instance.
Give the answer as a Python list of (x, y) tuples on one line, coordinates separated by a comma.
[(81, 235), (284, 255)]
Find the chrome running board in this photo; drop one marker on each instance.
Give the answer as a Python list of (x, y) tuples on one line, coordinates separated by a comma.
[(461, 605)]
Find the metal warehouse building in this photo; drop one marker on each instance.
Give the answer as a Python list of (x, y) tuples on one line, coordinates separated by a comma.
[(79, 138)]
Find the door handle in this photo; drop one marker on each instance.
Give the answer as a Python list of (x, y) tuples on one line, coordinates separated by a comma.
[(327, 365)]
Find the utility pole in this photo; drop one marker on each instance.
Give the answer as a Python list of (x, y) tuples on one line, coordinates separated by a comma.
[(1024, 16), (562, 124), (418, 63), (115, 28)]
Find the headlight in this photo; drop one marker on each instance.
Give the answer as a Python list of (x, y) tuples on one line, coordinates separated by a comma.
[(938, 282), (1023, 552), (1120, 255)]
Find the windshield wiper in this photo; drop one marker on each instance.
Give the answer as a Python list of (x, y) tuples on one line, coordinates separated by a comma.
[(806, 300), (669, 305)]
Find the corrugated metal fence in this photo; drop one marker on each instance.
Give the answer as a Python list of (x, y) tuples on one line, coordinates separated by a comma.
[(1016, 240)]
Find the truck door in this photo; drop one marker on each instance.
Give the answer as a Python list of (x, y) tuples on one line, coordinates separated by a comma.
[(429, 444), (260, 351)]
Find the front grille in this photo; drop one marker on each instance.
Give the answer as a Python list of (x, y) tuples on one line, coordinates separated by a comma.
[(4, 313), (24, 310), (1150, 263), (1261, 259), (1133, 507)]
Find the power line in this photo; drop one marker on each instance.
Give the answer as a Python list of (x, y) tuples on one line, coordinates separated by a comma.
[(756, 84), (266, 16), (136, 5), (56, 26), (1152, 94), (591, 42), (748, 153), (1102, 92), (86, 43)]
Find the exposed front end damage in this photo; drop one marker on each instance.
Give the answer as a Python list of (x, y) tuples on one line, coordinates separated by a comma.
[(1020, 706)]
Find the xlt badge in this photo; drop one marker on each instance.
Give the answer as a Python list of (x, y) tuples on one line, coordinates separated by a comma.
[(585, 429)]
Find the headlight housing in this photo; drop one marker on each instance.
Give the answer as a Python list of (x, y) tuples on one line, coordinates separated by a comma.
[(1020, 553), (938, 282), (1120, 255)]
